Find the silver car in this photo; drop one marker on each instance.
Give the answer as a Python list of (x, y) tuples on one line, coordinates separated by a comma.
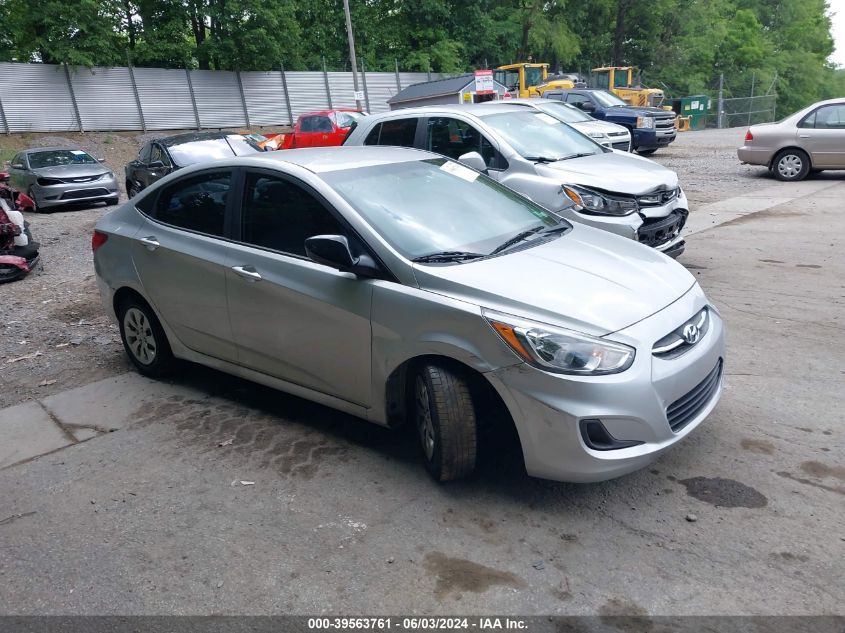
[(556, 166), (54, 176), (395, 284), (604, 133), (811, 140)]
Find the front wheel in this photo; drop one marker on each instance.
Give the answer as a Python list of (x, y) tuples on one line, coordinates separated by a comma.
[(144, 339), (35, 207), (445, 422), (791, 165), (132, 190), (646, 152)]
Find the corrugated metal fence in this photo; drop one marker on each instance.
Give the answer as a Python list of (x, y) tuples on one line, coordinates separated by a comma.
[(57, 98)]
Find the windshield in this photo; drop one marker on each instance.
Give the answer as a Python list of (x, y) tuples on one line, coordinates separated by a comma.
[(212, 149), (563, 111), (608, 99), (533, 76), (57, 157), (433, 206), (348, 119), (539, 135)]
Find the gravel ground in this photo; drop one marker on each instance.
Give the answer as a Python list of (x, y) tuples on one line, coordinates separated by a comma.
[(56, 313)]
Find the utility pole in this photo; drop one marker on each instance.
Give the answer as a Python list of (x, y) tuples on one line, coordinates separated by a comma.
[(721, 103), (352, 58), (751, 102)]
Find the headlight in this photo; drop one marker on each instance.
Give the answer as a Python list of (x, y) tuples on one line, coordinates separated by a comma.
[(49, 182), (594, 202), (645, 122), (106, 176), (559, 350)]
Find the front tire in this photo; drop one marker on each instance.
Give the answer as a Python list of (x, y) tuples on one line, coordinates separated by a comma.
[(646, 152), (444, 417), (791, 165), (132, 190), (144, 339), (35, 207)]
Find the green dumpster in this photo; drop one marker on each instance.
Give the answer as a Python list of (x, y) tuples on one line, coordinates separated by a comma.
[(695, 107)]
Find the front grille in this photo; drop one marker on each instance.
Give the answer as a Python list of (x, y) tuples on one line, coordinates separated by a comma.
[(617, 133), (655, 232), (687, 407), (621, 146), (84, 193), (664, 123)]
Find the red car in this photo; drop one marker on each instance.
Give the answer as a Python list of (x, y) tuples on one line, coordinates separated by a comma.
[(321, 129)]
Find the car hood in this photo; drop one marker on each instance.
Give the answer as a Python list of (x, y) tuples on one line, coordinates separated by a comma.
[(72, 171), (639, 111), (588, 280), (611, 171), (597, 126)]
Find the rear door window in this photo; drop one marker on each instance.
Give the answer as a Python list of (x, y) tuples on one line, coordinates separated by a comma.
[(397, 132), (197, 203)]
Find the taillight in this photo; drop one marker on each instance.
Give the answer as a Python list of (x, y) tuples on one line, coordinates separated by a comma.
[(749, 136), (98, 239)]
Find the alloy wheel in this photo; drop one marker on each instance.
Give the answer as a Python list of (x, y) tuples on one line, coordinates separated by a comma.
[(139, 336)]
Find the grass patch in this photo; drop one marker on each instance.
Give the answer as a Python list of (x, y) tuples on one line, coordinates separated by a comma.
[(6, 153)]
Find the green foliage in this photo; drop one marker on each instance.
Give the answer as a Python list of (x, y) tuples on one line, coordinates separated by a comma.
[(682, 45)]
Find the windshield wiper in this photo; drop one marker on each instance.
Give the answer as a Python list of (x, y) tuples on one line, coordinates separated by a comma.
[(541, 159), (516, 239), (581, 155), (447, 256)]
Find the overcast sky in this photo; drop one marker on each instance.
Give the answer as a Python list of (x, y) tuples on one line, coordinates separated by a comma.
[(837, 11)]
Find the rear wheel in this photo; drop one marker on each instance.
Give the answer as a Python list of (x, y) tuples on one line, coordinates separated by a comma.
[(791, 165), (144, 339), (445, 422)]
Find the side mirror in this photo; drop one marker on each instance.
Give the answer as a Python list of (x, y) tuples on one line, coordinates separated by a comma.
[(156, 164), (16, 165), (587, 106), (333, 250), (474, 160), (100, 159)]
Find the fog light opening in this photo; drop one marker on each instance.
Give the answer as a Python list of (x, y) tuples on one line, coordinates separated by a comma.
[(598, 438)]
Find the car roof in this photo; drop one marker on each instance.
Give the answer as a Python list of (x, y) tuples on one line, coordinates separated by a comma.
[(33, 150), (190, 137), (326, 159), (477, 109), (327, 112)]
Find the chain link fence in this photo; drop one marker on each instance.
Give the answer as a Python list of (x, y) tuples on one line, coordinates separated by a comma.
[(59, 98)]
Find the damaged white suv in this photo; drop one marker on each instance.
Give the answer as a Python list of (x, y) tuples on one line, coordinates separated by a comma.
[(548, 161)]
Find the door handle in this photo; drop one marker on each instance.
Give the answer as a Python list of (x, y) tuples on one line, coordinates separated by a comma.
[(247, 272), (803, 136), (150, 242)]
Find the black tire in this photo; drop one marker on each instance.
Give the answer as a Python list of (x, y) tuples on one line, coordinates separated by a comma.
[(646, 152), (444, 418), (791, 165), (144, 339), (35, 207), (132, 190)]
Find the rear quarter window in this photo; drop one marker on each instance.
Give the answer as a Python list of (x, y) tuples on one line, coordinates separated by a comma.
[(398, 132)]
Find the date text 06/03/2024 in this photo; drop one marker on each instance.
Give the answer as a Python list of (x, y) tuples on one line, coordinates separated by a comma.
[(416, 623)]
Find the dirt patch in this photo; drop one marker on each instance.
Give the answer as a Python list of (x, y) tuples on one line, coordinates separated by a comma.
[(758, 446), (619, 606), (725, 493), (840, 490), (454, 575)]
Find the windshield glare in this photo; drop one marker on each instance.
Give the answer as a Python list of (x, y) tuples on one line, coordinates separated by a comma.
[(55, 158), (431, 206), (608, 99), (564, 111), (540, 135), (211, 149)]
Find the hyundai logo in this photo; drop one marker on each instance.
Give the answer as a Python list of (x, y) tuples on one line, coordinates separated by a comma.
[(691, 333)]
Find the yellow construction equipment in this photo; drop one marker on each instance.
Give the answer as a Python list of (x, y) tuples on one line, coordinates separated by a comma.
[(620, 81), (529, 80)]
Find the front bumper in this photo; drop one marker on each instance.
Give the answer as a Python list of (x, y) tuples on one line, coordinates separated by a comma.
[(75, 193), (548, 408), (651, 139)]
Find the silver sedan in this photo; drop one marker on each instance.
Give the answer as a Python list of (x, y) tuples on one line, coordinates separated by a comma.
[(54, 176), (395, 284), (811, 140)]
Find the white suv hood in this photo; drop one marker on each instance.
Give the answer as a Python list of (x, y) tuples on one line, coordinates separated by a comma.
[(611, 171), (588, 280)]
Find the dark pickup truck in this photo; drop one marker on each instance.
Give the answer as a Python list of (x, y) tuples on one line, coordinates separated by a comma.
[(651, 128)]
